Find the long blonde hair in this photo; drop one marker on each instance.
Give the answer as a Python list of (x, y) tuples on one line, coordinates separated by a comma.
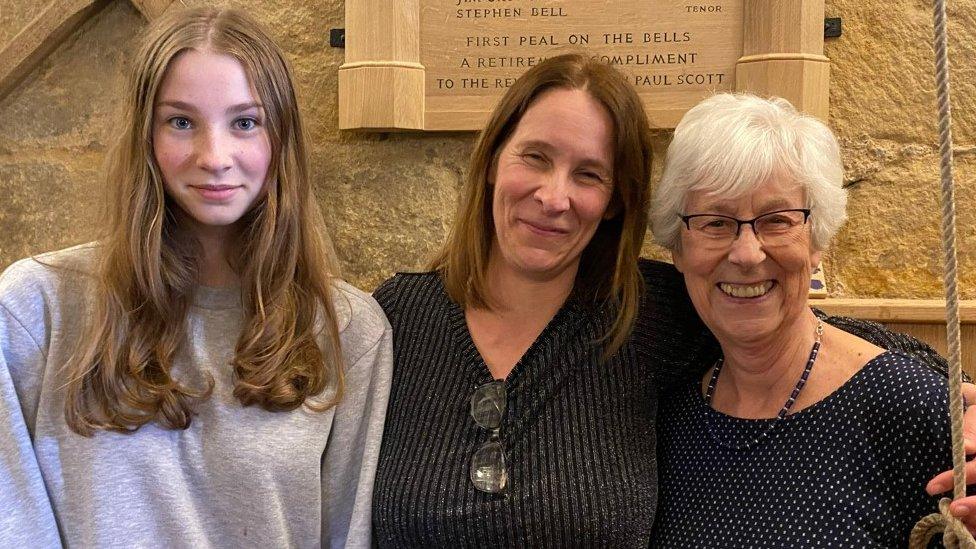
[(119, 379), (608, 266)]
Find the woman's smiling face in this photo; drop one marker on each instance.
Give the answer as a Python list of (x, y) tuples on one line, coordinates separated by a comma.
[(552, 184), (748, 290), (209, 138)]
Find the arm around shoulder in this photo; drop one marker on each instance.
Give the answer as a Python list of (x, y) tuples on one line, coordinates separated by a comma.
[(880, 335)]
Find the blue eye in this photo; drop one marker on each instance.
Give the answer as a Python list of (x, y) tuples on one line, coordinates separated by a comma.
[(180, 123), (245, 124)]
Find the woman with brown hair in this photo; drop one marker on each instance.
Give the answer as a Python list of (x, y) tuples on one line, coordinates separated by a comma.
[(529, 360), (524, 397), (199, 376)]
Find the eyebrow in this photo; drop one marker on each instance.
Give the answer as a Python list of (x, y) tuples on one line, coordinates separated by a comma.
[(183, 106)]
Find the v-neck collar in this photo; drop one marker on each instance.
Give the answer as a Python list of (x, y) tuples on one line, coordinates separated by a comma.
[(568, 316), (540, 372)]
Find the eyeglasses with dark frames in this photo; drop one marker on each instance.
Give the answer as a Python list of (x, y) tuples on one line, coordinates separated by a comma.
[(768, 227), (489, 471)]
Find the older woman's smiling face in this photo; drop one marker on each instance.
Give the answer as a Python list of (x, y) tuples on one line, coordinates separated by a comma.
[(749, 290)]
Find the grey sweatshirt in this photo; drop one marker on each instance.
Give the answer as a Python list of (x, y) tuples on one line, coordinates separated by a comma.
[(237, 477)]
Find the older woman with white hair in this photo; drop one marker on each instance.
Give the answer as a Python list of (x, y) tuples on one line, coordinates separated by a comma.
[(801, 434)]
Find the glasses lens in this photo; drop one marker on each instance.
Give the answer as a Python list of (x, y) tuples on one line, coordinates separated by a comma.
[(779, 221), (488, 405), (714, 225), (772, 227), (488, 469)]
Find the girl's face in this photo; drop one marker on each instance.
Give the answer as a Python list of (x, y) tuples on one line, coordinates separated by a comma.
[(209, 139)]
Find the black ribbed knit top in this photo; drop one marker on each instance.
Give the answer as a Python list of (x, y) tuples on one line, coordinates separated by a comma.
[(578, 433)]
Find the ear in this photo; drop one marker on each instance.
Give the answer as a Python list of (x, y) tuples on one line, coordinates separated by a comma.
[(815, 257), (678, 259)]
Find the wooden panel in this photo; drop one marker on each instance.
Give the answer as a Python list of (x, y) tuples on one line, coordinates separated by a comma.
[(766, 33), (382, 30), (675, 53), (803, 82), (672, 55), (439, 115), (40, 37), (382, 98)]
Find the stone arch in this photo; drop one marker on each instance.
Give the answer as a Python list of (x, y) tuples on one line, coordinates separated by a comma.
[(55, 23)]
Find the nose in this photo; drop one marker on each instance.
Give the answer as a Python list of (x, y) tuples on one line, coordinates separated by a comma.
[(747, 250), (213, 151), (553, 193)]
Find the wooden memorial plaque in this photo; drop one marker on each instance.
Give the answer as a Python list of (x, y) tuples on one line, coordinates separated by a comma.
[(442, 64)]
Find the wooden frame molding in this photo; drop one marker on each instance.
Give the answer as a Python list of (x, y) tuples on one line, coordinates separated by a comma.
[(782, 53), (920, 311), (381, 84), (52, 26)]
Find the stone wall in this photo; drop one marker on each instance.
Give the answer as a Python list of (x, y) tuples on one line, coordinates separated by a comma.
[(389, 197)]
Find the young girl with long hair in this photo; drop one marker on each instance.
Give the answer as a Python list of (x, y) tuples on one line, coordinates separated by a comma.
[(198, 376)]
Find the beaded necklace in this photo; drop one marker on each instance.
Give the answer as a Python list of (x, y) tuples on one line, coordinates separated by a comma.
[(710, 391)]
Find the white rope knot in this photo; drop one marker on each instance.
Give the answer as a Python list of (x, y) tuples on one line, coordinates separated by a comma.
[(954, 532)]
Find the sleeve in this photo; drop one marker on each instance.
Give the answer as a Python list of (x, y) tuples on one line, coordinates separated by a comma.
[(349, 464), (27, 519)]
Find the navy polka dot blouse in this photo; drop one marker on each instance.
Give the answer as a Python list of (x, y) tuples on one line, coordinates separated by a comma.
[(849, 471)]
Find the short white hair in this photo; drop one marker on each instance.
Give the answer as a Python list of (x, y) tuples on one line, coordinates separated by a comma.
[(730, 144)]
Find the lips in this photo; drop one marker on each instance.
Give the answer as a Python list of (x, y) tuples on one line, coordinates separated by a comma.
[(216, 192), (544, 229), (757, 289)]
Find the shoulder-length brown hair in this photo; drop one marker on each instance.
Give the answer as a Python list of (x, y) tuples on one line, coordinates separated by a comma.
[(608, 265), (119, 378)]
